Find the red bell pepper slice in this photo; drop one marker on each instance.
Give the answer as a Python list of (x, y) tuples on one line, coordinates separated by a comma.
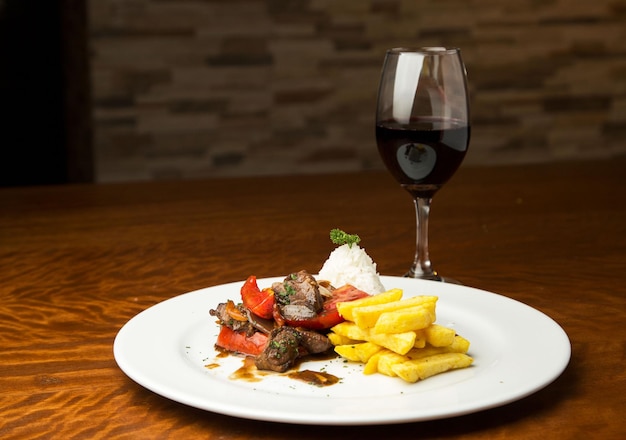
[(239, 342), (329, 316), (260, 302)]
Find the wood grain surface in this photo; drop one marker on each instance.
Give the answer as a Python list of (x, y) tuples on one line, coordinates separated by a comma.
[(78, 261)]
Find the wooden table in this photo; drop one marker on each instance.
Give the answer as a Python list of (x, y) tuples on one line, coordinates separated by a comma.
[(77, 262)]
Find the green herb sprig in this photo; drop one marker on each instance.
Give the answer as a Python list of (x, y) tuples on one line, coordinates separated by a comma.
[(339, 237)]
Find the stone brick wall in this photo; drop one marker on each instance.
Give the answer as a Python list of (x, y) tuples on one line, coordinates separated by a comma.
[(201, 88)]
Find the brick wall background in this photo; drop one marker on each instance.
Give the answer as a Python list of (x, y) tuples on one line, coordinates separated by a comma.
[(201, 88)]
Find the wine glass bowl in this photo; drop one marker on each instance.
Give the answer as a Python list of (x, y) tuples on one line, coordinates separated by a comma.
[(423, 130)]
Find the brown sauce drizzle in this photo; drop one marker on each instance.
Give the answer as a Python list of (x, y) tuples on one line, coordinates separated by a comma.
[(317, 378), (248, 372), (221, 353)]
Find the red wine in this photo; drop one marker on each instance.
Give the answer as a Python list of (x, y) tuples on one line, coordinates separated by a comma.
[(423, 154)]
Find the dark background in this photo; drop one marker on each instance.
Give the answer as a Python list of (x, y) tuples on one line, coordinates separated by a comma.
[(43, 93)]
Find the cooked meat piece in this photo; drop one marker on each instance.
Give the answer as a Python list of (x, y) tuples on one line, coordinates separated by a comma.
[(263, 325), (286, 344), (298, 296), (281, 350), (314, 342), (221, 313), (297, 312)]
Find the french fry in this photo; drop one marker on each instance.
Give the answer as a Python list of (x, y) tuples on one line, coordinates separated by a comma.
[(386, 362), (361, 352), (398, 337), (420, 341), (337, 339), (438, 335), (429, 350), (406, 319), (371, 366), (420, 369), (345, 308), (350, 330), (459, 345), (367, 316), (398, 342)]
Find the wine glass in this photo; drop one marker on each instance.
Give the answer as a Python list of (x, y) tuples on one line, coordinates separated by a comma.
[(423, 130)]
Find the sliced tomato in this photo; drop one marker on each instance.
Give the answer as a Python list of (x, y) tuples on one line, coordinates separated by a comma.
[(329, 316), (260, 302), (238, 342)]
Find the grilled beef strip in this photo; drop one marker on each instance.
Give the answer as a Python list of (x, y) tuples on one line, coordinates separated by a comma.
[(298, 296), (249, 326), (225, 319), (314, 342), (281, 350), (286, 344), (261, 324)]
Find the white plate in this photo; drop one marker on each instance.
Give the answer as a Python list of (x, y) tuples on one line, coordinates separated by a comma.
[(517, 350)]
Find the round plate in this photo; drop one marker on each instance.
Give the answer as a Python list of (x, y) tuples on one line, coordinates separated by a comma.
[(169, 349)]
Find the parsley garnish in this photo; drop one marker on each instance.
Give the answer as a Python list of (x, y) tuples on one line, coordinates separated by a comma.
[(339, 237), (290, 289)]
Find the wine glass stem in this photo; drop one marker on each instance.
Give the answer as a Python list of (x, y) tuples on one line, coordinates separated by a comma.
[(422, 267)]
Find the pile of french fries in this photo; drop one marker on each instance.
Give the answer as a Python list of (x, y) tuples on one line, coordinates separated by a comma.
[(398, 337)]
